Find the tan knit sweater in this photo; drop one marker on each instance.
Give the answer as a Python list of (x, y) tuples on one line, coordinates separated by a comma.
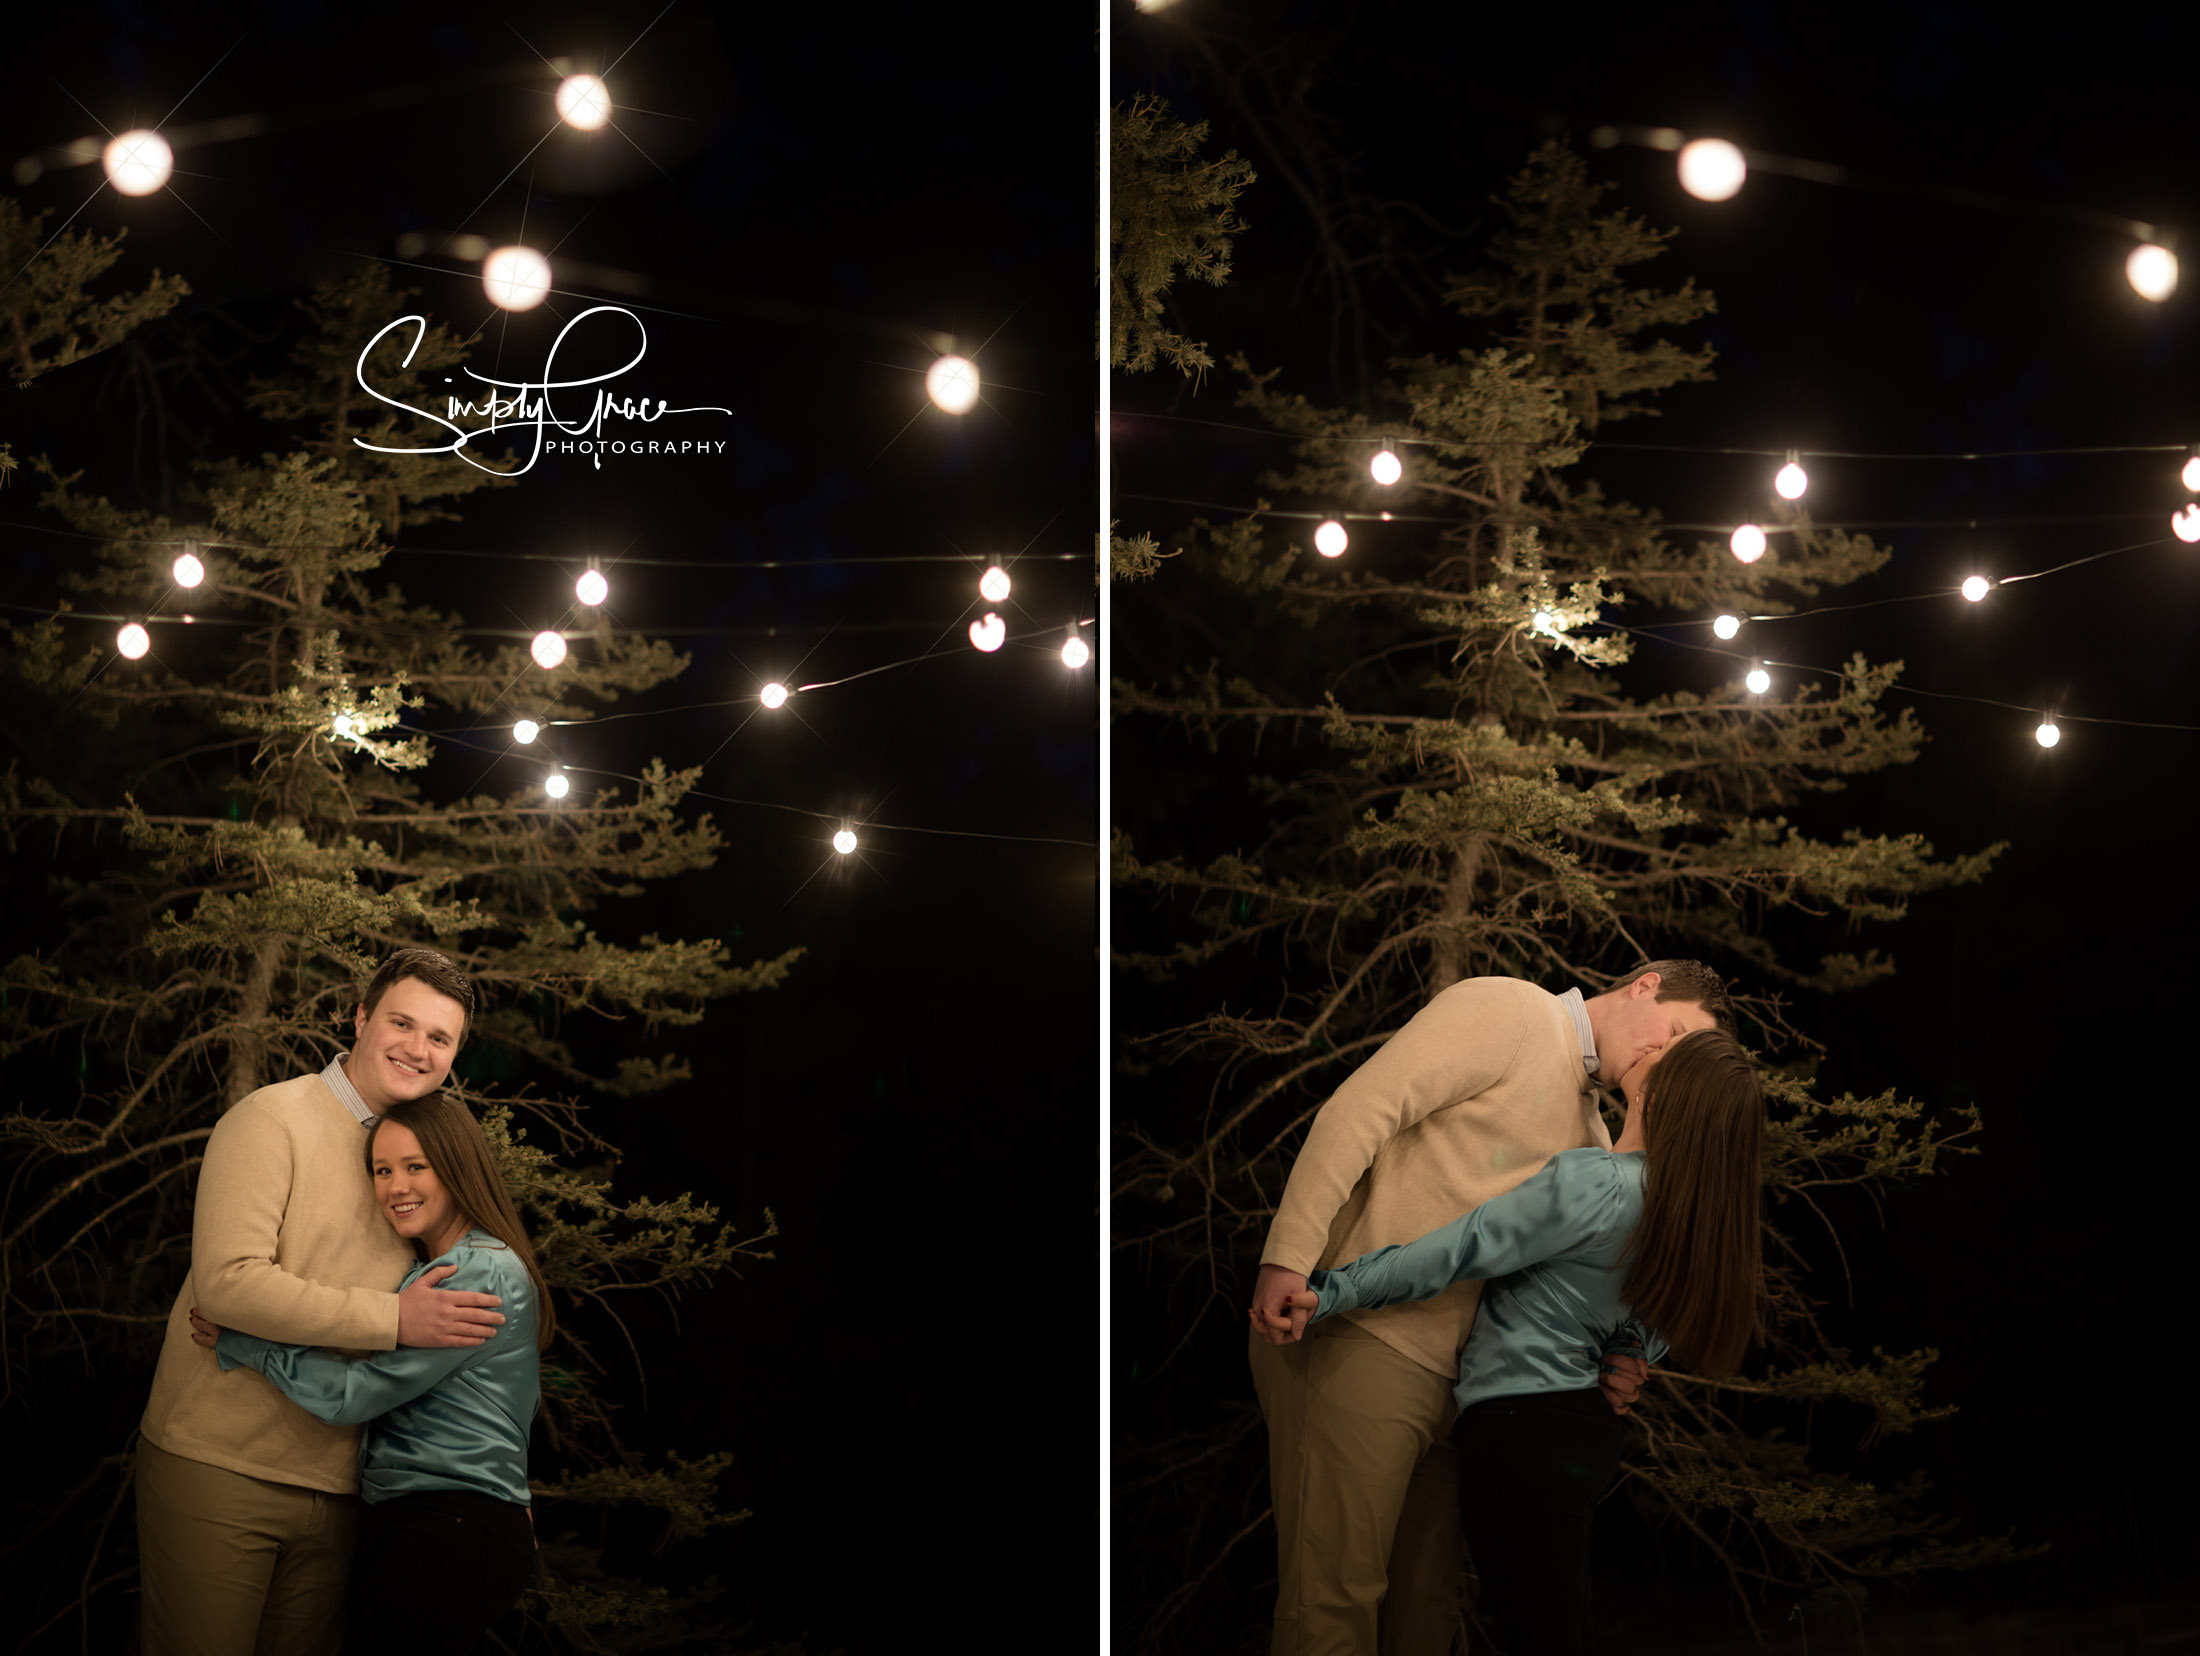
[(1481, 1088), (287, 1243)]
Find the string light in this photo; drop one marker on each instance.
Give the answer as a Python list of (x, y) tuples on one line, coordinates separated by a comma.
[(1330, 539), (1386, 468), (2190, 476), (989, 634), (516, 278), (952, 383), (2152, 272), (1976, 587), (1726, 626), (525, 731), (1792, 479), (1074, 652), (2185, 525), (548, 649), (844, 841), (2048, 734), (556, 786), (583, 102), (344, 725), (1748, 543), (1541, 621), (1712, 169), (138, 163), (773, 695), (133, 641), (592, 589), (993, 584), (188, 571), (1759, 681)]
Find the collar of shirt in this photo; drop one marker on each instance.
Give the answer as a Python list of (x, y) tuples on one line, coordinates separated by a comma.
[(1579, 1012), (340, 1084)]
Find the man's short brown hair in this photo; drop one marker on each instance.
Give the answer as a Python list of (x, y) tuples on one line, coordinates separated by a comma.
[(1689, 980), (440, 973)]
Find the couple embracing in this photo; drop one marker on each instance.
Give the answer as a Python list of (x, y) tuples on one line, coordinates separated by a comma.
[(350, 1370), (1464, 1285)]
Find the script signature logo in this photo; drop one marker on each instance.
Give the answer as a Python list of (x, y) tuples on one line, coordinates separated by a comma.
[(527, 403)]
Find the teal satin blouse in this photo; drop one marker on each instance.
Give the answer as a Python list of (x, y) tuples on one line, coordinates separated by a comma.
[(1552, 1305), (435, 1420)]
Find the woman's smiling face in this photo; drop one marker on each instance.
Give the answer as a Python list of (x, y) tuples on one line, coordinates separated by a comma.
[(413, 1198)]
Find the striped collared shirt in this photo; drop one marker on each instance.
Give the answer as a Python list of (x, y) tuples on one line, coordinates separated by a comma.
[(1571, 1000), (340, 1084)]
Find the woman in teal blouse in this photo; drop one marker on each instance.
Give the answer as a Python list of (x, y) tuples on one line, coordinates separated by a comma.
[(443, 1461), (1655, 1244)]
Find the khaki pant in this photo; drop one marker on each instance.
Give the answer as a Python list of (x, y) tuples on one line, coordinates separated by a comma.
[(234, 1566), (1366, 1487)]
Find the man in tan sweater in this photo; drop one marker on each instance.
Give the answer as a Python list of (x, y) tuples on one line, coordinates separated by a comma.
[(1481, 1087), (246, 1503)]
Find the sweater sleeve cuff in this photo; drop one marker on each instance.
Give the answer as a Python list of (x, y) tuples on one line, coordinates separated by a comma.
[(1334, 1292), (234, 1351)]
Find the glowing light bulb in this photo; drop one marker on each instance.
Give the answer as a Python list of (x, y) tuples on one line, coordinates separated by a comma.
[(138, 163), (188, 571), (989, 634), (844, 841), (344, 726), (1976, 587), (133, 641), (1385, 468), (548, 649), (2190, 476), (1748, 543), (592, 588), (1791, 481), (516, 278), (525, 731), (1330, 539), (1712, 169), (1074, 652), (1759, 681), (1542, 622), (2152, 272), (952, 384), (993, 584), (1727, 625), (2048, 734), (556, 786), (584, 102), (2185, 525), (773, 695)]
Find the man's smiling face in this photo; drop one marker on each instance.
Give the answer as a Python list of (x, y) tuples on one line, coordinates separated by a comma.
[(404, 1047)]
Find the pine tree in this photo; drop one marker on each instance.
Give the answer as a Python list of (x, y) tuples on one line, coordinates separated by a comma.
[(219, 841), (1372, 784)]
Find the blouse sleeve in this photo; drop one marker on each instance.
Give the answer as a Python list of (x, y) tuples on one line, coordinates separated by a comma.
[(348, 1391), (1563, 1208)]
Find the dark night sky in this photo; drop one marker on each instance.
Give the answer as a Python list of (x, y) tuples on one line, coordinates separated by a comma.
[(822, 194), (2050, 1269)]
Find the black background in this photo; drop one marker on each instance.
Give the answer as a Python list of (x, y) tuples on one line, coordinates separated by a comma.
[(1879, 317), (823, 194)]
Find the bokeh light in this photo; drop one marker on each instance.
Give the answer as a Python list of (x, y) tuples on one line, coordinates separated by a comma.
[(773, 695), (1759, 681), (1976, 587), (188, 571), (556, 786), (1074, 652), (526, 731), (1748, 543), (1791, 481), (1385, 468), (990, 633), (1712, 169), (1330, 539), (592, 588), (138, 163), (952, 383), (584, 102), (548, 649), (516, 278), (844, 841), (2185, 525), (133, 641), (993, 584), (2152, 272), (1727, 625), (2048, 734)]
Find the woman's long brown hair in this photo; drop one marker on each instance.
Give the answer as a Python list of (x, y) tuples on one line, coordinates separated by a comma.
[(458, 1150), (1695, 1264)]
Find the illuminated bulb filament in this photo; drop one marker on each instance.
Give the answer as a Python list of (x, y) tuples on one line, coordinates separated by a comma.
[(516, 278), (993, 584), (548, 649), (773, 695), (556, 786), (1330, 539), (844, 841), (583, 102), (344, 726), (2185, 525), (1385, 469), (952, 384), (1727, 625), (1074, 652), (2047, 735), (989, 634), (1712, 169), (188, 571), (1791, 481), (1748, 543), (526, 731), (1976, 587), (2152, 272), (592, 588), (138, 163), (2190, 476), (1759, 681), (133, 641)]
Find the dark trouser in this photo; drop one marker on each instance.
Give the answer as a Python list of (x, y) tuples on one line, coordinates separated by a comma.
[(1531, 1471), (435, 1571)]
